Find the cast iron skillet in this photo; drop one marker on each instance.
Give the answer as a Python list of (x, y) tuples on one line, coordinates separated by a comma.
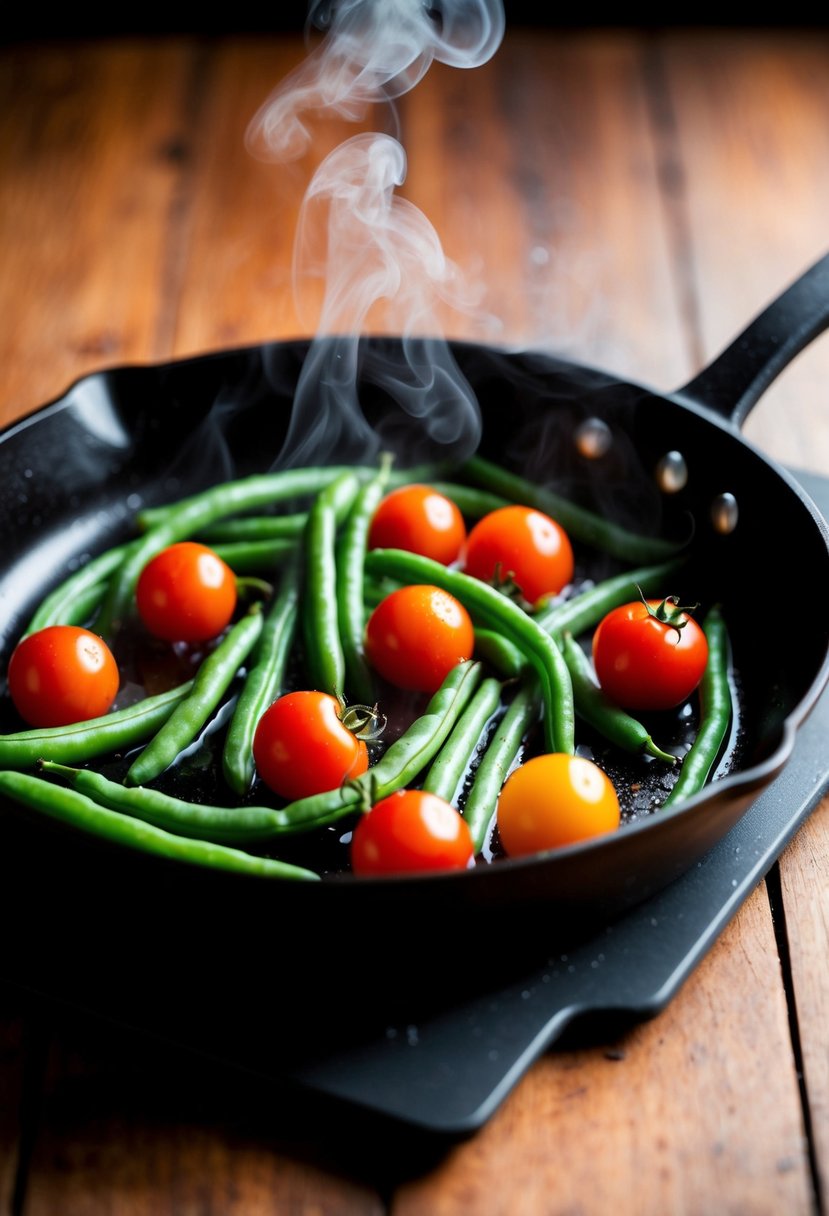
[(72, 474)]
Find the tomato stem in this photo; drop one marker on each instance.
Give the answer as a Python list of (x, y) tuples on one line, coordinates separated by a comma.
[(503, 580), (364, 721), (673, 616)]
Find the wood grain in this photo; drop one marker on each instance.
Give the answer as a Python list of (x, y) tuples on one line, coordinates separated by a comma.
[(805, 883), (734, 104), (682, 1115), (92, 158), (554, 251), (124, 1129)]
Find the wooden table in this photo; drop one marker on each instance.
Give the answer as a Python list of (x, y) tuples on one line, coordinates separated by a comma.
[(629, 198)]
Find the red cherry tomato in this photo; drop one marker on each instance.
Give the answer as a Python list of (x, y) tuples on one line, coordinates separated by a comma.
[(62, 674), (416, 635), (555, 800), (522, 544), (420, 520), (643, 662), (301, 747), (186, 593), (411, 831)]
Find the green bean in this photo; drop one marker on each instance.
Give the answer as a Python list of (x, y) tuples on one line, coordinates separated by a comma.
[(457, 754), (117, 731), (69, 807), (376, 589), (579, 523), (255, 527), (501, 654), (350, 561), (190, 515), (270, 527), (422, 474), (502, 751), (417, 746), (196, 820), (78, 603), (236, 497), (402, 762), (324, 654), (212, 681), (79, 609), (254, 556), (595, 708), (471, 501), (496, 611), (74, 599), (716, 713), (263, 683), (586, 609)]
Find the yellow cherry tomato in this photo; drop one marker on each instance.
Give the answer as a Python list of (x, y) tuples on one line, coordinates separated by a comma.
[(555, 800)]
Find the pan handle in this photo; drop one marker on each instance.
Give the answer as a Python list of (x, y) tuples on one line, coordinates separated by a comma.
[(738, 377)]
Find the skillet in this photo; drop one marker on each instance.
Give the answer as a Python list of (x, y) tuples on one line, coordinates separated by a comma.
[(71, 477)]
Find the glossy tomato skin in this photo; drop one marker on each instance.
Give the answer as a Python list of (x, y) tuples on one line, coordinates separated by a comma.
[(411, 831), (62, 674), (186, 593), (523, 544), (301, 747), (645, 664), (420, 520), (416, 635), (555, 800)]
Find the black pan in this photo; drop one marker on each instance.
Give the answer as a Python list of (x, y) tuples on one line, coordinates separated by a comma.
[(72, 474)]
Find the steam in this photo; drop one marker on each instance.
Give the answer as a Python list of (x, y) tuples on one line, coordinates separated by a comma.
[(365, 243), (373, 51), (362, 251)]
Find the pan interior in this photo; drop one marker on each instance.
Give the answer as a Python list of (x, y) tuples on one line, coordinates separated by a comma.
[(74, 474)]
